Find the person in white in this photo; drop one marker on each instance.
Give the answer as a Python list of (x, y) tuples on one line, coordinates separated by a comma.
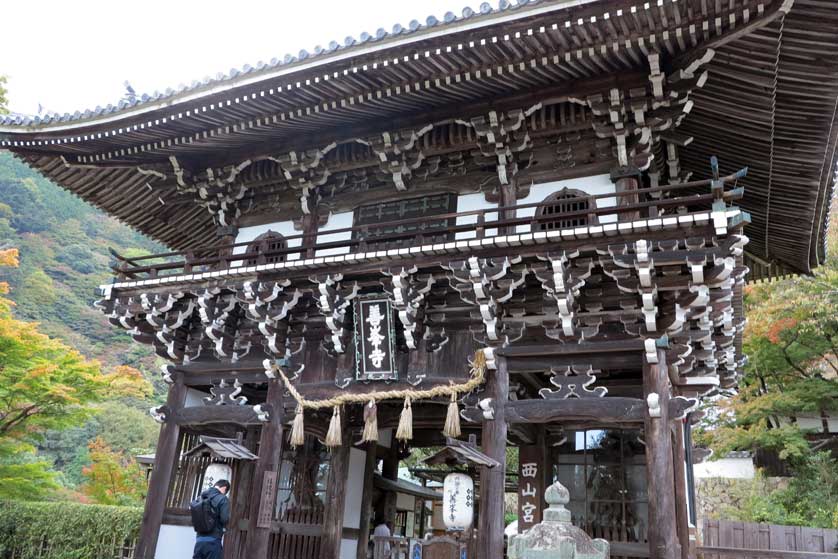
[(382, 530)]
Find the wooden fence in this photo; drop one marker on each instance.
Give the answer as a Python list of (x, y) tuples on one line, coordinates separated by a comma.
[(727, 539)]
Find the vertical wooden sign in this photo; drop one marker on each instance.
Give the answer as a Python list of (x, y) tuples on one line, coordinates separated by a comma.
[(531, 476), (267, 500), (375, 340)]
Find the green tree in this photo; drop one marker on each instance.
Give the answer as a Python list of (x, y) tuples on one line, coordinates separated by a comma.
[(44, 385), (792, 344)]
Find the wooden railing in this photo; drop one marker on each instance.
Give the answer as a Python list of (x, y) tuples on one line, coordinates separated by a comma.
[(394, 547), (657, 202)]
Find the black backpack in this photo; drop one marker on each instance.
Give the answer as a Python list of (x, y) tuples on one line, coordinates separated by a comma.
[(204, 516)]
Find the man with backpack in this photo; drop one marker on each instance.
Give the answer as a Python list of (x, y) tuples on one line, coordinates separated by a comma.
[(210, 515)]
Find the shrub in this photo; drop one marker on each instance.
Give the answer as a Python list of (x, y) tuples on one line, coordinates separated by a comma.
[(66, 530)]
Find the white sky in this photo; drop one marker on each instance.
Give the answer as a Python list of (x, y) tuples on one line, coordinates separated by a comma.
[(74, 55)]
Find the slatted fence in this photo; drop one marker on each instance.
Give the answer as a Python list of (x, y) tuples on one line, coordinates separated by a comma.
[(727, 539)]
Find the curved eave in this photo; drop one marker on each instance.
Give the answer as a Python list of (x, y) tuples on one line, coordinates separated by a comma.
[(506, 14)]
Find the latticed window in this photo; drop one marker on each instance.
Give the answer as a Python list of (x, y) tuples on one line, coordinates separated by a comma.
[(387, 229), (263, 249), (567, 209)]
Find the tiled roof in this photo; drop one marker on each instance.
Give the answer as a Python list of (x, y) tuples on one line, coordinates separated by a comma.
[(380, 36)]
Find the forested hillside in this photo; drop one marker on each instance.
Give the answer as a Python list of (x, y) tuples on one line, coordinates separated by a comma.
[(63, 255)]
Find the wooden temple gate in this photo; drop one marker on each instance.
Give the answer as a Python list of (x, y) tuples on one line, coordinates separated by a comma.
[(513, 217)]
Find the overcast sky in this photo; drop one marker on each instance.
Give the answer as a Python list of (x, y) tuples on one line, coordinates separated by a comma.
[(74, 55)]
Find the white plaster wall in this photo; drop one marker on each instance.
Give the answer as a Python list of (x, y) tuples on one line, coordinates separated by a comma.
[(340, 220), (405, 502), (354, 489), (593, 185), (175, 542), (284, 228), (348, 548), (195, 397), (734, 468), (470, 202), (810, 423)]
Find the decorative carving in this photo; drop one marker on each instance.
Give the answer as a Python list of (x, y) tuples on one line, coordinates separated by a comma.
[(653, 402), (398, 153), (159, 413), (306, 171), (269, 304), (486, 283), (225, 394), (333, 301), (573, 383), (407, 293), (216, 190), (503, 140)]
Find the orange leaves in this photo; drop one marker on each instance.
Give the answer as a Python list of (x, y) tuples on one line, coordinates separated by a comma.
[(779, 326), (129, 382), (111, 478), (9, 257)]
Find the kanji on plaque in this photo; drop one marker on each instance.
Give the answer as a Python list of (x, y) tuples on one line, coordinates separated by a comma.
[(374, 339)]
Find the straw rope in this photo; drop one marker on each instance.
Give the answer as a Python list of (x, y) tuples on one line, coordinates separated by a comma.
[(477, 378)]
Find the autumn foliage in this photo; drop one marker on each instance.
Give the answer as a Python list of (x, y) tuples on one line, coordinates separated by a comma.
[(112, 479), (45, 385)]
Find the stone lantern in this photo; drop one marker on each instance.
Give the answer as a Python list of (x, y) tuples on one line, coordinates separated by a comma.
[(556, 537)]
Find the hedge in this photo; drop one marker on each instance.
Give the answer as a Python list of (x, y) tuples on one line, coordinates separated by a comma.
[(62, 530)]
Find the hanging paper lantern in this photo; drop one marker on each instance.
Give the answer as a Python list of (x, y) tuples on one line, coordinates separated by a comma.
[(458, 502), (215, 472)]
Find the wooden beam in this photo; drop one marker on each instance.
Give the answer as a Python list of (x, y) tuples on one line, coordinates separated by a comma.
[(663, 540), (263, 488), (161, 476), (207, 415), (589, 411), (549, 350), (493, 480)]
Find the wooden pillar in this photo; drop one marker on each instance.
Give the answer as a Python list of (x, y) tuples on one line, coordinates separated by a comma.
[(265, 475), (508, 197), (493, 480), (390, 470), (165, 461), (366, 500), (663, 541), (626, 179), (532, 481), (681, 496), (336, 499)]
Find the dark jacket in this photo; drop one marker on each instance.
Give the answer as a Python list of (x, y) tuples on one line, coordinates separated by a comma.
[(221, 505)]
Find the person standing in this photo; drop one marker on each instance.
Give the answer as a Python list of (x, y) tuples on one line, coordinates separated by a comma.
[(382, 530), (210, 515)]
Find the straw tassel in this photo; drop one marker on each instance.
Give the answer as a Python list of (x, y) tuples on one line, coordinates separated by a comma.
[(333, 436), (298, 433), (405, 430), (370, 422), (452, 420)]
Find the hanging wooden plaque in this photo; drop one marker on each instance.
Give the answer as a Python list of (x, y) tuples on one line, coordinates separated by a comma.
[(375, 340), (267, 501)]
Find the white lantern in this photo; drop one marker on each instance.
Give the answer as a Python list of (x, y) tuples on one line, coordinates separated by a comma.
[(458, 502), (215, 472)]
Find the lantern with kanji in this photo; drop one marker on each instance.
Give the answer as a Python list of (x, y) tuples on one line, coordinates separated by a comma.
[(458, 502)]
